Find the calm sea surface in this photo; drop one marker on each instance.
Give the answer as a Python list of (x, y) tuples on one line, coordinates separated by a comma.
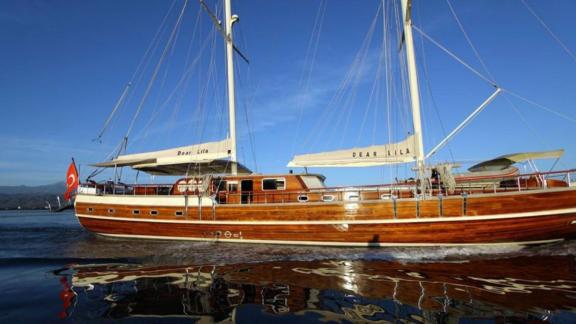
[(52, 270)]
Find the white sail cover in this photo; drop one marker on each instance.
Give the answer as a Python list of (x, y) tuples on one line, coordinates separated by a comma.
[(401, 152), (178, 160)]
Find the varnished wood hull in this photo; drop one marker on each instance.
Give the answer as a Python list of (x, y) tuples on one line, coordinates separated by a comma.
[(523, 219), (496, 231)]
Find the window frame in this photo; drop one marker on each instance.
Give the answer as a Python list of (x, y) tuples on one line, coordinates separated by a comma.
[(230, 184), (276, 179)]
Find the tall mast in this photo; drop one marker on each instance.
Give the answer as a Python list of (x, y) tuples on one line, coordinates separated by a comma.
[(413, 80), (229, 21)]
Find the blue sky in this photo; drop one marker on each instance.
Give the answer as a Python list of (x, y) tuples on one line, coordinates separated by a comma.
[(65, 63)]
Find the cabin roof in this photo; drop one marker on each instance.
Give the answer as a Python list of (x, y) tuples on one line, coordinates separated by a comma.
[(156, 167), (505, 161), (273, 175)]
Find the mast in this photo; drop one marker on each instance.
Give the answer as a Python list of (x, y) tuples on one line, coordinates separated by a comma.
[(413, 80), (229, 21)]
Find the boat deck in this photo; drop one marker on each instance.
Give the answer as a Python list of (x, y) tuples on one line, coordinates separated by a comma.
[(397, 191)]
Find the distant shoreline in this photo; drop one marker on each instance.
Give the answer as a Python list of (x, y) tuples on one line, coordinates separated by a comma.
[(32, 198), (23, 209)]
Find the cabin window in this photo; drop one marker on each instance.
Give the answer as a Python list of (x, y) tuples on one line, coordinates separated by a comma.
[(110, 210), (219, 185), (328, 198), (89, 209), (154, 212), (274, 184), (232, 186), (302, 198), (179, 213), (313, 181), (135, 211)]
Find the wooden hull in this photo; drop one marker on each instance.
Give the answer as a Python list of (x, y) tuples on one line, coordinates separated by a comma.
[(517, 218)]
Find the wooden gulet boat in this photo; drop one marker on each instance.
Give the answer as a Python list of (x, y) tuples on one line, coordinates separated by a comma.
[(218, 199)]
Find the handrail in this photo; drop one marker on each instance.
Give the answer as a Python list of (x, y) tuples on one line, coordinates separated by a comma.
[(406, 182), (520, 183)]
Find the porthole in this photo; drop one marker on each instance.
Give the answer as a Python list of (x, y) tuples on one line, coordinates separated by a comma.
[(89, 209), (154, 212), (385, 196), (303, 198), (328, 198), (351, 195), (111, 210), (179, 213), (135, 211)]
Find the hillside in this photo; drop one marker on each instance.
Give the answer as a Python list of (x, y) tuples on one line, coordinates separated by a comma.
[(54, 188), (31, 197)]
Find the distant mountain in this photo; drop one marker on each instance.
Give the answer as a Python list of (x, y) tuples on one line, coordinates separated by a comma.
[(54, 188), (31, 197)]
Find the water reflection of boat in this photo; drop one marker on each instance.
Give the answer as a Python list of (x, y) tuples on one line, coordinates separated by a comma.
[(365, 291)]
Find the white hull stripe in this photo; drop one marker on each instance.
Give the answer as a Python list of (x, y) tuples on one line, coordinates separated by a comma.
[(324, 243), (338, 222), (150, 201)]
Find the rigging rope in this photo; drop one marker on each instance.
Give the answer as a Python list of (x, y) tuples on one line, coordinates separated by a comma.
[(432, 98), (550, 110), (534, 130), (247, 101), (156, 70), (164, 78), (556, 38), (115, 152), (180, 85), (186, 77), (251, 132), (146, 57), (109, 119), (476, 53), (484, 66), (373, 95), (138, 71), (356, 77), (480, 75), (309, 62), (330, 120)]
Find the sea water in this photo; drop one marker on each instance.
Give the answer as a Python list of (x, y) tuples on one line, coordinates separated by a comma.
[(52, 270)]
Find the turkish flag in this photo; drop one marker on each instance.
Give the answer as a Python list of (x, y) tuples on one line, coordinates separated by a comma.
[(71, 180)]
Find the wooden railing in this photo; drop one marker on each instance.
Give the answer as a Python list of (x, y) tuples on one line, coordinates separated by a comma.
[(408, 189)]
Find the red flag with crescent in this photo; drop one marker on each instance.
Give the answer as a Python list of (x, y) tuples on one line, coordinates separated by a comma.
[(71, 180)]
